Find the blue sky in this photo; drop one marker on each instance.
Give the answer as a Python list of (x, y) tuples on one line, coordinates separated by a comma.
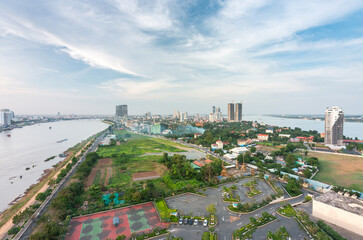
[(87, 56)]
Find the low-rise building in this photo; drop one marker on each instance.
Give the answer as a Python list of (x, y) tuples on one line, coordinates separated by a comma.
[(244, 143), (231, 156), (262, 137), (294, 140), (196, 135), (270, 130), (306, 139), (284, 135), (340, 210), (281, 160), (219, 143), (107, 139), (157, 128), (239, 150)]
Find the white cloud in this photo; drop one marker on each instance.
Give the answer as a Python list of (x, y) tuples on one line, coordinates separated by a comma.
[(25, 29), (220, 55)]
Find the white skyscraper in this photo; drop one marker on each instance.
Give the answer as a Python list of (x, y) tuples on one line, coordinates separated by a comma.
[(211, 117), (5, 117), (334, 119)]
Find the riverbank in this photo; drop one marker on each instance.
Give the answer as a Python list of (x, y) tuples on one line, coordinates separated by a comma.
[(23, 155), (44, 183), (316, 118), (351, 129)]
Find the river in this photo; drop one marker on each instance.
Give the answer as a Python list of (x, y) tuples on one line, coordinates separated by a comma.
[(350, 129), (28, 147)]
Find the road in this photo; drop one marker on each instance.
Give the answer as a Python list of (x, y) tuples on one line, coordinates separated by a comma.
[(26, 231), (206, 150)]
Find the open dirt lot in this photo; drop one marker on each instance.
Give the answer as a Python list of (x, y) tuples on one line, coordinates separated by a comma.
[(343, 170), (101, 173), (145, 175)]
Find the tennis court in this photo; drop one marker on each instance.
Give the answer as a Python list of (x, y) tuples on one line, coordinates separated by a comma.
[(134, 219)]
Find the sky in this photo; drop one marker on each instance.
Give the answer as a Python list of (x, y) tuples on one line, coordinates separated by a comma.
[(85, 57)]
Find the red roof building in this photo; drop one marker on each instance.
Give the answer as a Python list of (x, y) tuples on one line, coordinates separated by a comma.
[(199, 164)]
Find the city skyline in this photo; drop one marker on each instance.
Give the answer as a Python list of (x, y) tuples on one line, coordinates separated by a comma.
[(85, 58)]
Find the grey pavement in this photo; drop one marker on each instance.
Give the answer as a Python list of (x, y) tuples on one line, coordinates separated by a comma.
[(188, 203), (290, 224)]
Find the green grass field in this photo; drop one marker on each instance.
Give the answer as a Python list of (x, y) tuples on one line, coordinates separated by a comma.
[(135, 146), (341, 170)]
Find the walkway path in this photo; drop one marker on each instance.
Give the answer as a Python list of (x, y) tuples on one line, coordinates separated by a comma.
[(9, 224)]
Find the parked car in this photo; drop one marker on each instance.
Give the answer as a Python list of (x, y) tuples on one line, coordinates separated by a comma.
[(190, 222), (205, 223), (180, 220), (185, 220), (195, 222)]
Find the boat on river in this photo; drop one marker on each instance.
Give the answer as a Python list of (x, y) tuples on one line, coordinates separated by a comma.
[(63, 140)]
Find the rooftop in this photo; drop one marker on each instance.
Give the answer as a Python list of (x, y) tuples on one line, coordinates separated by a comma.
[(346, 203)]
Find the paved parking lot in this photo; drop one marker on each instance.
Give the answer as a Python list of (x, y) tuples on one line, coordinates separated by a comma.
[(195, 204), (290, 224), (261, 185), (227, 221), (190, 203)]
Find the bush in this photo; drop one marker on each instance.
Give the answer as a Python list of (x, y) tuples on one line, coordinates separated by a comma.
[(14, 230), (307, 199), (205, 236), (329, 230), (42, 196), (51, 230), (85, 167)]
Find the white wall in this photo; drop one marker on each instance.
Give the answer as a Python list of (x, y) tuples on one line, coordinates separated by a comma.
[(350, 221)]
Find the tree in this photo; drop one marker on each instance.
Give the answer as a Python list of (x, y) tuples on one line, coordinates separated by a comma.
[(265, 215), (307, 173), (293, 187), (165, 158), (211, 208), (239, 206), (121, 237), (286, 177), (95, 192), (290, 160), (136, 197), (253, 149), (253, 220)]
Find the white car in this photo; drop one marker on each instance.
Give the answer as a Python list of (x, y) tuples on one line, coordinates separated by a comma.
[(205, 223), (195, 222)]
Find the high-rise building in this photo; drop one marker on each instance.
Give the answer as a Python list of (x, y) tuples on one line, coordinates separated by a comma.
[(238, 112), (121, 111), (334, 119), (211, 117), (6, 116), (183, 116), (230, 112), (148, 115), (213, 109)]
